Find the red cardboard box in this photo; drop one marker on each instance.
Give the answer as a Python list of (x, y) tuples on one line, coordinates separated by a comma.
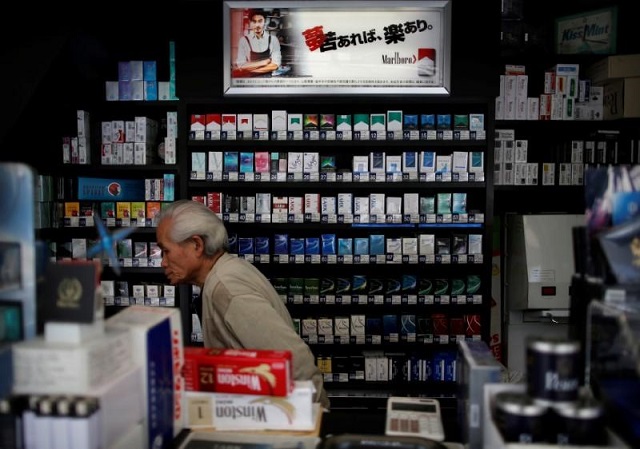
[(243, 371)]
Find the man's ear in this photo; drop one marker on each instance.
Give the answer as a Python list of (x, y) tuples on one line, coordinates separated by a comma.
[(198, 241)]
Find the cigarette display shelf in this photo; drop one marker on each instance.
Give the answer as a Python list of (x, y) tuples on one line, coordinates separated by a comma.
[(65, 187), (342, 180), (563, 198), (550, 140)]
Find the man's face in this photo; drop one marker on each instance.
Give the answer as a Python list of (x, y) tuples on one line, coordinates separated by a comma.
[(179, 260), (257, 24)]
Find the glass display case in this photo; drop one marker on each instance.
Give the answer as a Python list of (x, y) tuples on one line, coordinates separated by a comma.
[(613, 361)]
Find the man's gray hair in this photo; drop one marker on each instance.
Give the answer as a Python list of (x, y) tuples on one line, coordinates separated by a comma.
[(190, 218)]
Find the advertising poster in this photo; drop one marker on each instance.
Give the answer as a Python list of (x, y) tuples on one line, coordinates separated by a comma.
[(592, 32), (337, 46)]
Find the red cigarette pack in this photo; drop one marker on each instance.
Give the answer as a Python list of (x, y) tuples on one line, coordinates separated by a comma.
[(242, 371)]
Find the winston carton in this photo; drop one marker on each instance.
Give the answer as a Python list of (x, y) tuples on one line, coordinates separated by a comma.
[(229, 411), (239, 371)]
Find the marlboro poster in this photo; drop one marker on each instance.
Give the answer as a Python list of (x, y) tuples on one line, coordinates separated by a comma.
[(335, 47)]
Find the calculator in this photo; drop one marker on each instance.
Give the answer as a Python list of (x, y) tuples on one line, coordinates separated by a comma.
[(413, 416)]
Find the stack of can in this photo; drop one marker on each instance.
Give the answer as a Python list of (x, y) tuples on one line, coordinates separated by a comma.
[(552, 409)]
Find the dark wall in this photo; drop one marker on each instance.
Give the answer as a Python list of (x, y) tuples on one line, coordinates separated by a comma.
[(54, 72), (52, 75)]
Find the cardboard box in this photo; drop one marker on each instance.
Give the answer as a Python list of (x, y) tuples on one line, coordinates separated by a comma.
[(121, 404), (592, 108), (612, 67), (229, 411), (134, 437), (110, 412), (622, 98), (477, 367), (43, 367)]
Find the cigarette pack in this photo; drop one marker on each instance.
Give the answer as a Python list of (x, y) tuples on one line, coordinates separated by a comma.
[(240, 371), (261, 125)]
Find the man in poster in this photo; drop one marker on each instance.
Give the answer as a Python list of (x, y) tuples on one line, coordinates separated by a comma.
[(258, 52)]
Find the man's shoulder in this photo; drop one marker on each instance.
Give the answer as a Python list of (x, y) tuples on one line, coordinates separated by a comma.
[(228, 268), (230, 262)]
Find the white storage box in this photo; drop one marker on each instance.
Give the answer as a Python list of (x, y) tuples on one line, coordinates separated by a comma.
[(43, 367)]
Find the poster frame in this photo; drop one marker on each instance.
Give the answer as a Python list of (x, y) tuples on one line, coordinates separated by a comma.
[(435, 82)]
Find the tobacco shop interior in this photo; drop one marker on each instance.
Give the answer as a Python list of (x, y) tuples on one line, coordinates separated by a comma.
[(443, 193)]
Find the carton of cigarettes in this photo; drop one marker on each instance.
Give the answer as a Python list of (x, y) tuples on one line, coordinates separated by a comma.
[(240, 371), (227, 411)]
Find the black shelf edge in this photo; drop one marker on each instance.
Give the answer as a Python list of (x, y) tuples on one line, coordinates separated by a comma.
[(335, 143), (108, 168), (84, 231), (378, 100), (161, 104), (355, 226), (514, 188), (134, 270), (337, 185)]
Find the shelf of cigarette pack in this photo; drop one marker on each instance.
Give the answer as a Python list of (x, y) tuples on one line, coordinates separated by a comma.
[(468, 220), (140, 103), (144, 225), (342, 394), (382, 259), (138, 265), (472, 179), (351, 137), (379, 340), (384, 300), (576, 189), (125, 301), (347, 380)]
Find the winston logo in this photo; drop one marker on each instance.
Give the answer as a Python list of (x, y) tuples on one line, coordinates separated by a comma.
[(250, 377), (397, 59), (256, 410)]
